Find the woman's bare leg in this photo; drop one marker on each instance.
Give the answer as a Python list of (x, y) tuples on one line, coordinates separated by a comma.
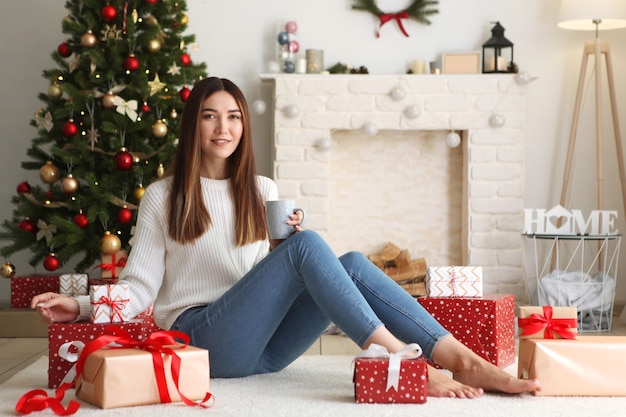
[(469, 368)]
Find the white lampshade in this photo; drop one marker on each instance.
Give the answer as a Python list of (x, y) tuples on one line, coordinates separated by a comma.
[(580, 14)]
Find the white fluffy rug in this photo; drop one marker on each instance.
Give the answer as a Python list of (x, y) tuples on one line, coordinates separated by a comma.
[(319, 386)]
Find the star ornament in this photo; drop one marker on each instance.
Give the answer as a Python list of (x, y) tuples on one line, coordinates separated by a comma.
[(155, 85), (174, 69), (128, 108), (93, 136)]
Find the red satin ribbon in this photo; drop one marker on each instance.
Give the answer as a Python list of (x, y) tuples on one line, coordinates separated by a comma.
[(113, 265), (384, 18), (116, 307), (536, 323), (156, 343)]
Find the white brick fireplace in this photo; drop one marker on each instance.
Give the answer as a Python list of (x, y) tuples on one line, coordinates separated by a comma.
[(313, 112)]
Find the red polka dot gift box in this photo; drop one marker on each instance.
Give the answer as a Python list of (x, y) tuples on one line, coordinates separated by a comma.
[(486, 325), (26, 287), (381, 377), (66, 340)]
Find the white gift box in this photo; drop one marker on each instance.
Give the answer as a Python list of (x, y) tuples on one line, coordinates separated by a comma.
[(454, 281), (108, 303), (73, 284)]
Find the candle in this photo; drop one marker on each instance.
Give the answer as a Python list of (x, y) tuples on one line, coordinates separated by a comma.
[(419, 67), (301, 66), (314, 61), (501, 64)]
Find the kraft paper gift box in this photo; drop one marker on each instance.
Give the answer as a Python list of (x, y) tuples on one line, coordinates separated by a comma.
[(547, 322), (108, 302), (73, 284), (112, 264), (114, 378), (486, 325), (376, 382), (586, 366), (24, 288), (454, 281), (65, 340)]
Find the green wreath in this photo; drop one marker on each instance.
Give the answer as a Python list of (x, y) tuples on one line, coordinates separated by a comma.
[(419, 11)]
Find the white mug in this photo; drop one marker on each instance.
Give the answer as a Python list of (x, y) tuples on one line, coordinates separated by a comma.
[(277, 214)]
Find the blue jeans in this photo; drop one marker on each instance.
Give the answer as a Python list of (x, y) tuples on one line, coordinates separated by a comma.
[(281, 307)]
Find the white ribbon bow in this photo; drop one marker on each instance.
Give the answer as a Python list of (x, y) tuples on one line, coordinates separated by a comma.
[(64, 353), (46, 231), (44, 122), (395, 359), (129, 108)]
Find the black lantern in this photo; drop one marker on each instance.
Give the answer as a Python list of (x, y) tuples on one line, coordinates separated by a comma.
[(497, 52)]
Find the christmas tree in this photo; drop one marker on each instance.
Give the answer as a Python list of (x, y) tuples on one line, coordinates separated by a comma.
[(107, 128)]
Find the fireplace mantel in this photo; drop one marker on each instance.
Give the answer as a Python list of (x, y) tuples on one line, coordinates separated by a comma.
[(308, 108)]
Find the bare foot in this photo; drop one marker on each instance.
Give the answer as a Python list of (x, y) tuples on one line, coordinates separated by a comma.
[(491, 378), (440, 385)]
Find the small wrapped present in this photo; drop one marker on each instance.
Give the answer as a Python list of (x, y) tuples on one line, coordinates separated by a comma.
[(73, 284), (383, 377), (112, 264), (66, 341), (547, 322), (165, 371), (454, 281), (109, 302), (485, 325), (587, 366), (24, 288)]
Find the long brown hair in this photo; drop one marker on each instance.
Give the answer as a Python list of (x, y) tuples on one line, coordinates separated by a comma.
[(188, 218)]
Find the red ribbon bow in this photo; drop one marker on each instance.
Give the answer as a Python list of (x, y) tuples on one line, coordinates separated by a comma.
[(536, 323), (157, 343), (113, 265), (384, 18), (116, 307)]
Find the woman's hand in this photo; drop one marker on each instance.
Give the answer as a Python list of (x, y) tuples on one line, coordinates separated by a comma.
[(295, 220), (53, 307)]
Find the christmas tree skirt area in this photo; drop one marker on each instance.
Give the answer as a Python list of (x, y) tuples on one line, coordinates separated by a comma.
[(21, 322), (320, 386)]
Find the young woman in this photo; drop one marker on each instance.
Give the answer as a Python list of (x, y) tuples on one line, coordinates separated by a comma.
[(201, 253)]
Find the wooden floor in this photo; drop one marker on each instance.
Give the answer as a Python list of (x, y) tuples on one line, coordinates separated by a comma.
[(18, 353)]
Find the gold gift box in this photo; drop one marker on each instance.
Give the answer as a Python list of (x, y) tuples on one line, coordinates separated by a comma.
[(557, 313), (125, 377), (591, 366)]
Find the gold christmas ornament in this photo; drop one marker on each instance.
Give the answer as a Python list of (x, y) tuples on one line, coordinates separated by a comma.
[(138, 193), (160, 171), (55, 91), (173, 114), (159, 129), (69, 184), (89, 40), (153, 46), (7, 270), (49, 173), (110, 244), (108, 100), (184, 19)]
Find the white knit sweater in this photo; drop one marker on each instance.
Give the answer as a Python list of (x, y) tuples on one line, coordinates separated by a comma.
[(178, 276)]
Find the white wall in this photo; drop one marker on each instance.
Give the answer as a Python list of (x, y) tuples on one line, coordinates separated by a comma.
[(237, 38)]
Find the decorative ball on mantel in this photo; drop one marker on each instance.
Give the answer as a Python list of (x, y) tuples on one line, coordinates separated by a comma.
[(370, 129), (497, 120), (7, 270), (412, 112), (453, 140), (397, 93), (259, 107)]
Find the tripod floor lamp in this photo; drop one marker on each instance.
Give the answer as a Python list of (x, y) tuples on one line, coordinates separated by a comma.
[(595, 15)]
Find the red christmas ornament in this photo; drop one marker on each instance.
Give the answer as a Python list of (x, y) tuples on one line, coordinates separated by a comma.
[(184, 93), (108, 12), (81, 221), (150, 1), (70, 129), (124, 215), (23, 187), (64, 50), (28, 225), (123, 160), (185, 59), (145, 108), (131, 63), (51, 262)]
